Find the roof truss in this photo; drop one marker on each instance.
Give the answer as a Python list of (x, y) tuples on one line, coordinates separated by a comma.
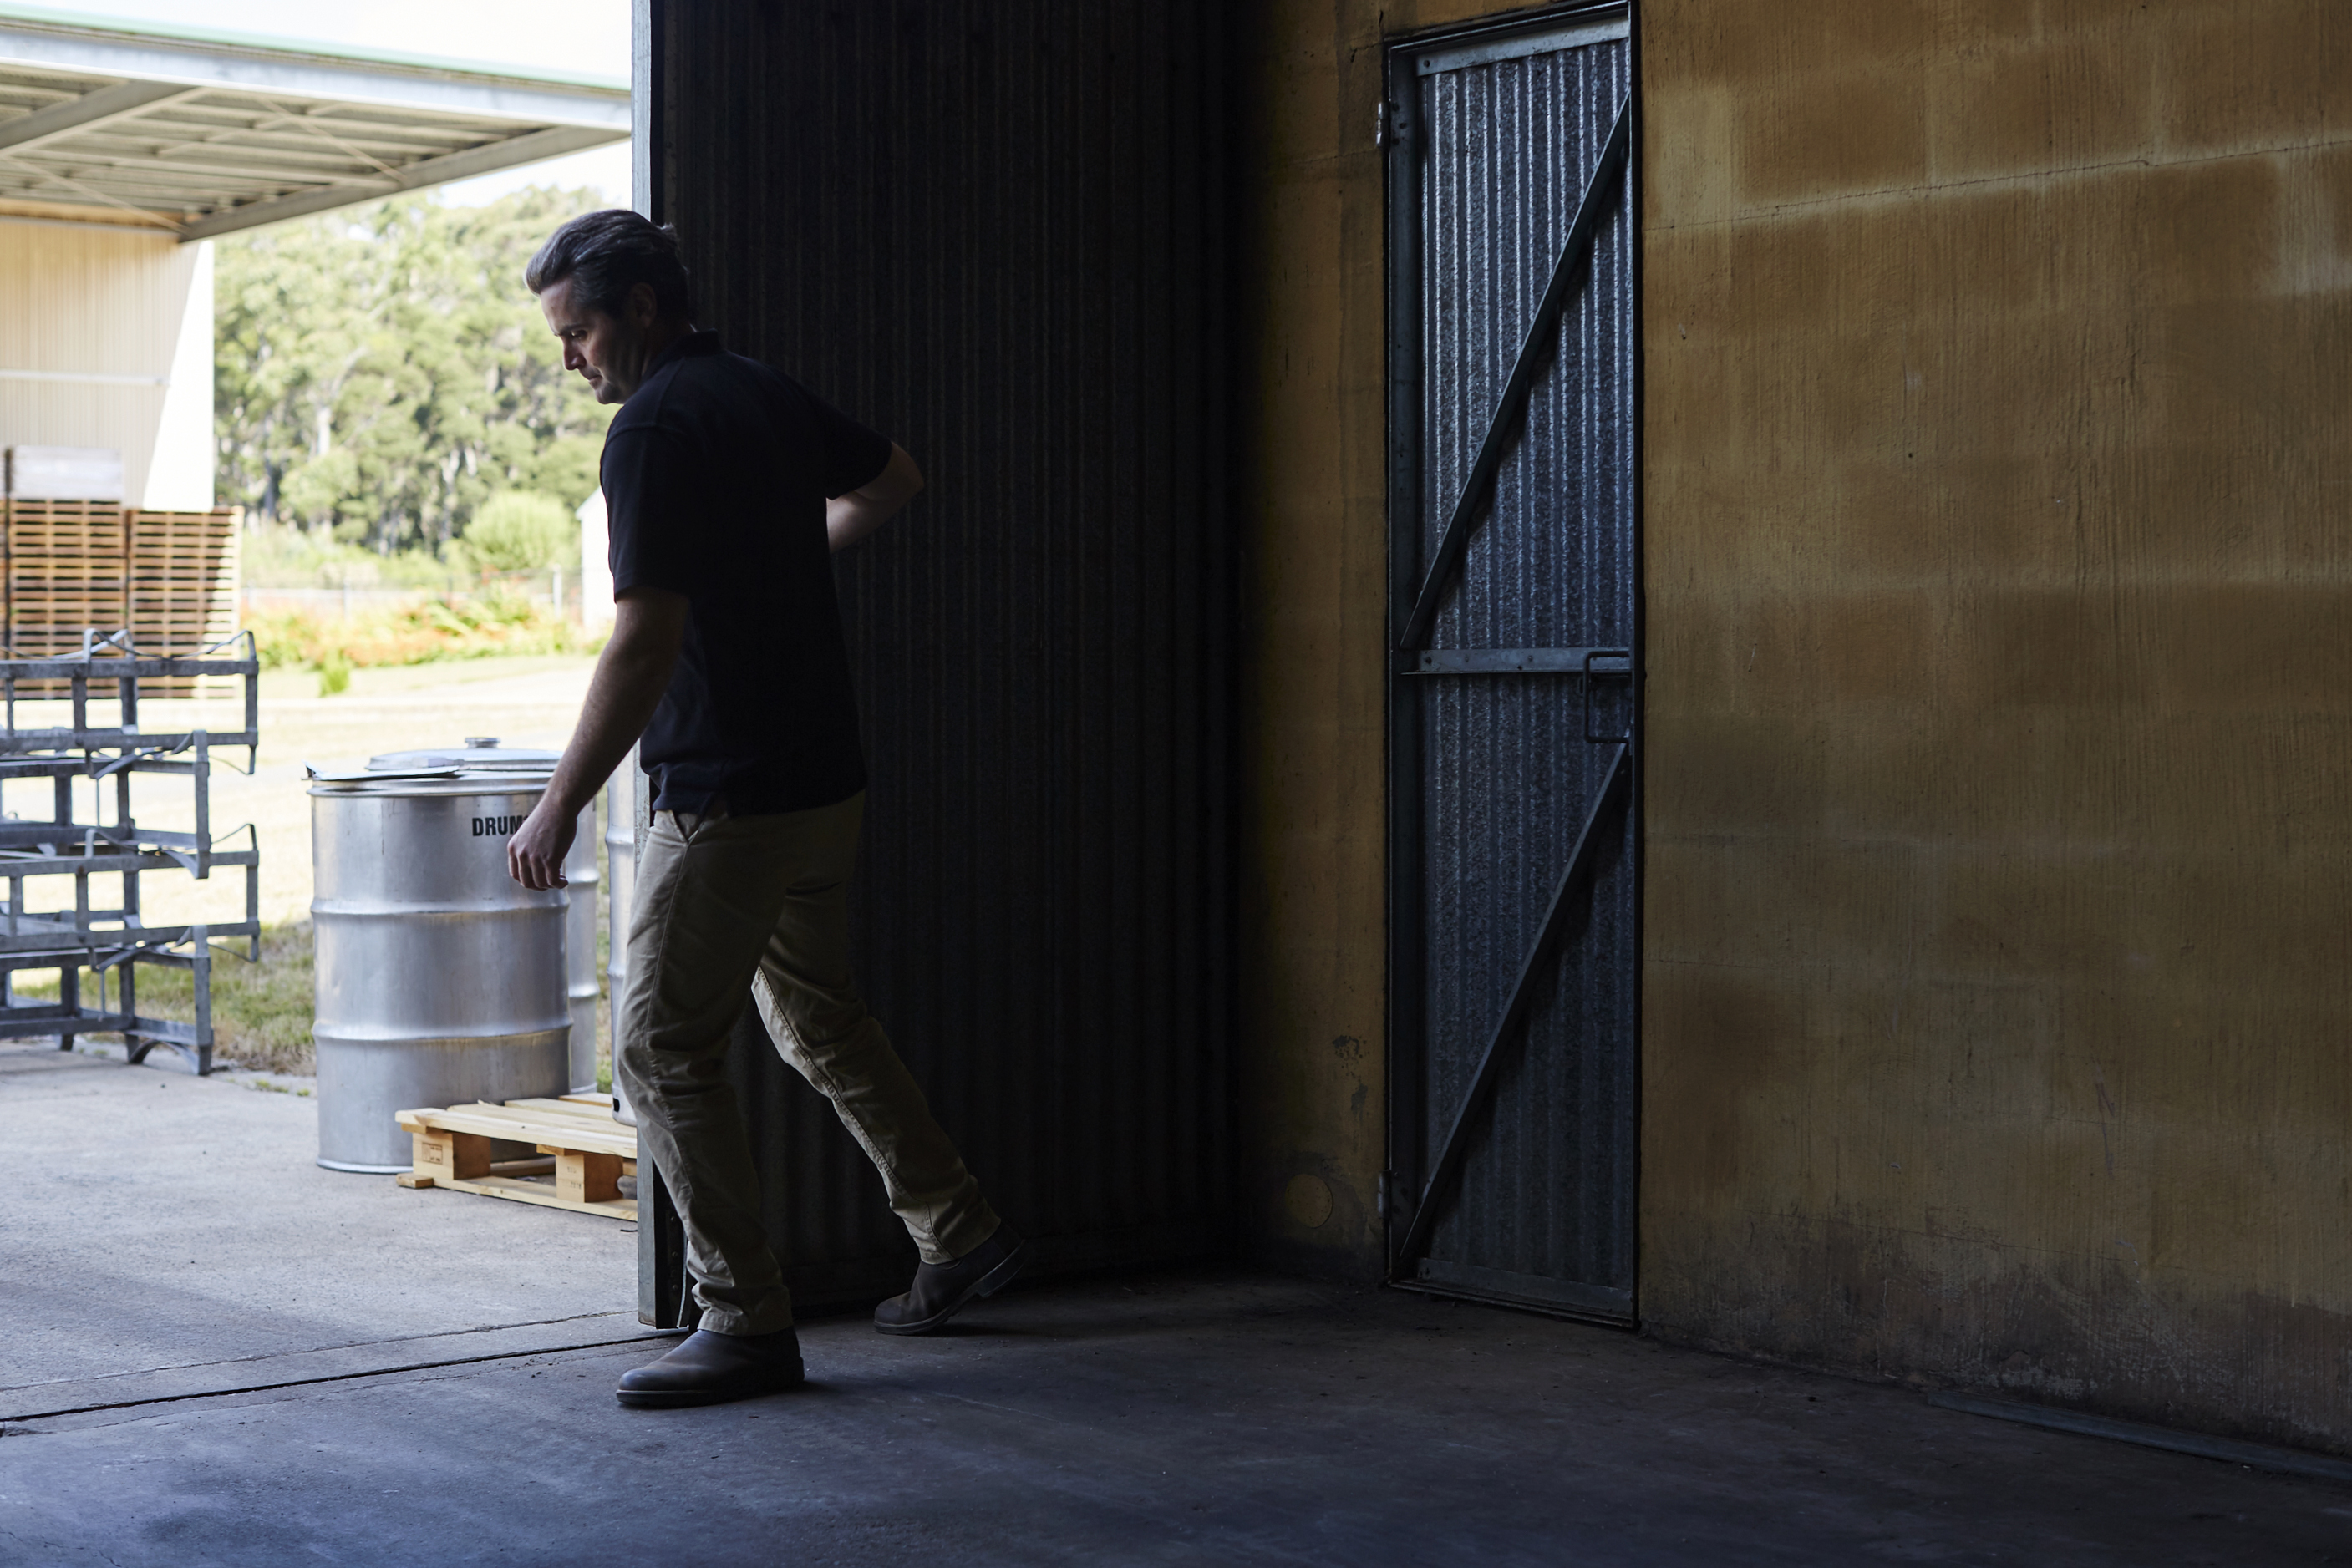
[(204, 137)]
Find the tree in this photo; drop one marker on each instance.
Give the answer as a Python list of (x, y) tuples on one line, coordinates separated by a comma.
[(381, 373)]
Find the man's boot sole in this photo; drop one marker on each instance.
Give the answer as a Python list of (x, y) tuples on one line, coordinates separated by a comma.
[(988, 1284), (681, 1398)]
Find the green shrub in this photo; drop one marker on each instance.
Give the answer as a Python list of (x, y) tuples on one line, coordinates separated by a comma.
[(272, 555), (495, 621), (517, 530), (334, 674)]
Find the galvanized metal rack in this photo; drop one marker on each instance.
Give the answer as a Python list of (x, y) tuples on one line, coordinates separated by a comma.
[(113, 943)]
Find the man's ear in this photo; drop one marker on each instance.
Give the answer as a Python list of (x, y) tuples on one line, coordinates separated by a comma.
[(643, 307)]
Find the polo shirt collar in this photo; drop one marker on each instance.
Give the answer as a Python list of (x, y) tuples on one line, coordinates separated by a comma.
[(691, 346)]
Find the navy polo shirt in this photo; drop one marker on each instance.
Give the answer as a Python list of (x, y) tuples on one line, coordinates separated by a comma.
[(715, 473)]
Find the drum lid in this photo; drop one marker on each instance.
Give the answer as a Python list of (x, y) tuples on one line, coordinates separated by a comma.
[(480, 753)]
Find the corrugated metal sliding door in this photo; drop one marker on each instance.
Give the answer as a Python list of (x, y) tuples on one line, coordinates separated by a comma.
[(1513, 579), (993, 228)]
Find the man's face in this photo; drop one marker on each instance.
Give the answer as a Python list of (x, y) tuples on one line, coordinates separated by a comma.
[(608, 350)]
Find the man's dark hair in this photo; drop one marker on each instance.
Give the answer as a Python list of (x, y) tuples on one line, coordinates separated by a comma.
[(606, 254)]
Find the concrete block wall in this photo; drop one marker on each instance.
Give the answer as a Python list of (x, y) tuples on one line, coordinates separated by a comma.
[(1999, 908), (1308, 296), (1997, 912)]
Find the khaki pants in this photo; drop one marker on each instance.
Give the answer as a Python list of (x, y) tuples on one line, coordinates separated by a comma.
[(724, 903)]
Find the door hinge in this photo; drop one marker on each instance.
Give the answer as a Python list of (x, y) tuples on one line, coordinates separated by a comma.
[(1382, 113)]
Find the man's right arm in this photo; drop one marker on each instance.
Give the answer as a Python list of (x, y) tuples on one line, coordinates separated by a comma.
[(850, 518), (648, 630)]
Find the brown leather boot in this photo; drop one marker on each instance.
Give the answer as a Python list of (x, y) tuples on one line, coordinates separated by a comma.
[(707, 1368), (941, 1290)]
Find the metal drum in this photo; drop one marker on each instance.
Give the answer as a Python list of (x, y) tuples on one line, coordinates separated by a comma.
[(579, 948), (440, 979), (621, 855)]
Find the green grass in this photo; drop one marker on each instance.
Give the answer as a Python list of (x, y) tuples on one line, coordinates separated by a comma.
[(261, 1011)]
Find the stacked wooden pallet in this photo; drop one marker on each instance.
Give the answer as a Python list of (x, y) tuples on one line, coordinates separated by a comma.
[(182, 582), (68, 570), (170, 578), (584, 1153)]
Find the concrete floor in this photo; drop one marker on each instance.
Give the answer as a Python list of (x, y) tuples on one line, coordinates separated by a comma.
[(273, 1365), (159, 1220)]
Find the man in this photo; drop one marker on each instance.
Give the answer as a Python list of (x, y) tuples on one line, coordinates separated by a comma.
[(726, 484)]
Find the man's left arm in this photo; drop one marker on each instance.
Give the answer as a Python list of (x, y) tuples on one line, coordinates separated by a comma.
[(850, 518), (648, 631)]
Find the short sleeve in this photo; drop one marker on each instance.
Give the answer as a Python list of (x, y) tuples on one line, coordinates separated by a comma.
[(850, 456), (654, 501)]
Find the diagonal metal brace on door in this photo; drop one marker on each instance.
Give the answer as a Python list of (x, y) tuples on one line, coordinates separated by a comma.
[(1448, 1167), (1510, 409)]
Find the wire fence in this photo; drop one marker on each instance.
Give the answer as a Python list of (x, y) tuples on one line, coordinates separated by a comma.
[(552, 586)]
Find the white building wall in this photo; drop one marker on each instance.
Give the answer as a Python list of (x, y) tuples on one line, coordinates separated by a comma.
[(595, 567), (106, 340), (179, 475)]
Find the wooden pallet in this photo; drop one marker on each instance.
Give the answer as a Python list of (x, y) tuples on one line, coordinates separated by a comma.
[(170, 578), (591, 1152), (67, 569), (181, 594)]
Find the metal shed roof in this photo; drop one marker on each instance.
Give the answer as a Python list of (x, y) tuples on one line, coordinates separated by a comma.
[(205, 133)]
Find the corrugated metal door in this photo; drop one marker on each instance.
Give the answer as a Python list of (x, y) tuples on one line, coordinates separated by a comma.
[(1513, 591), (994, 229)]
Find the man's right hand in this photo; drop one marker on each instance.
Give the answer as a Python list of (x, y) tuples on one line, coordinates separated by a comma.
[(648, 630), (535, 854)]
